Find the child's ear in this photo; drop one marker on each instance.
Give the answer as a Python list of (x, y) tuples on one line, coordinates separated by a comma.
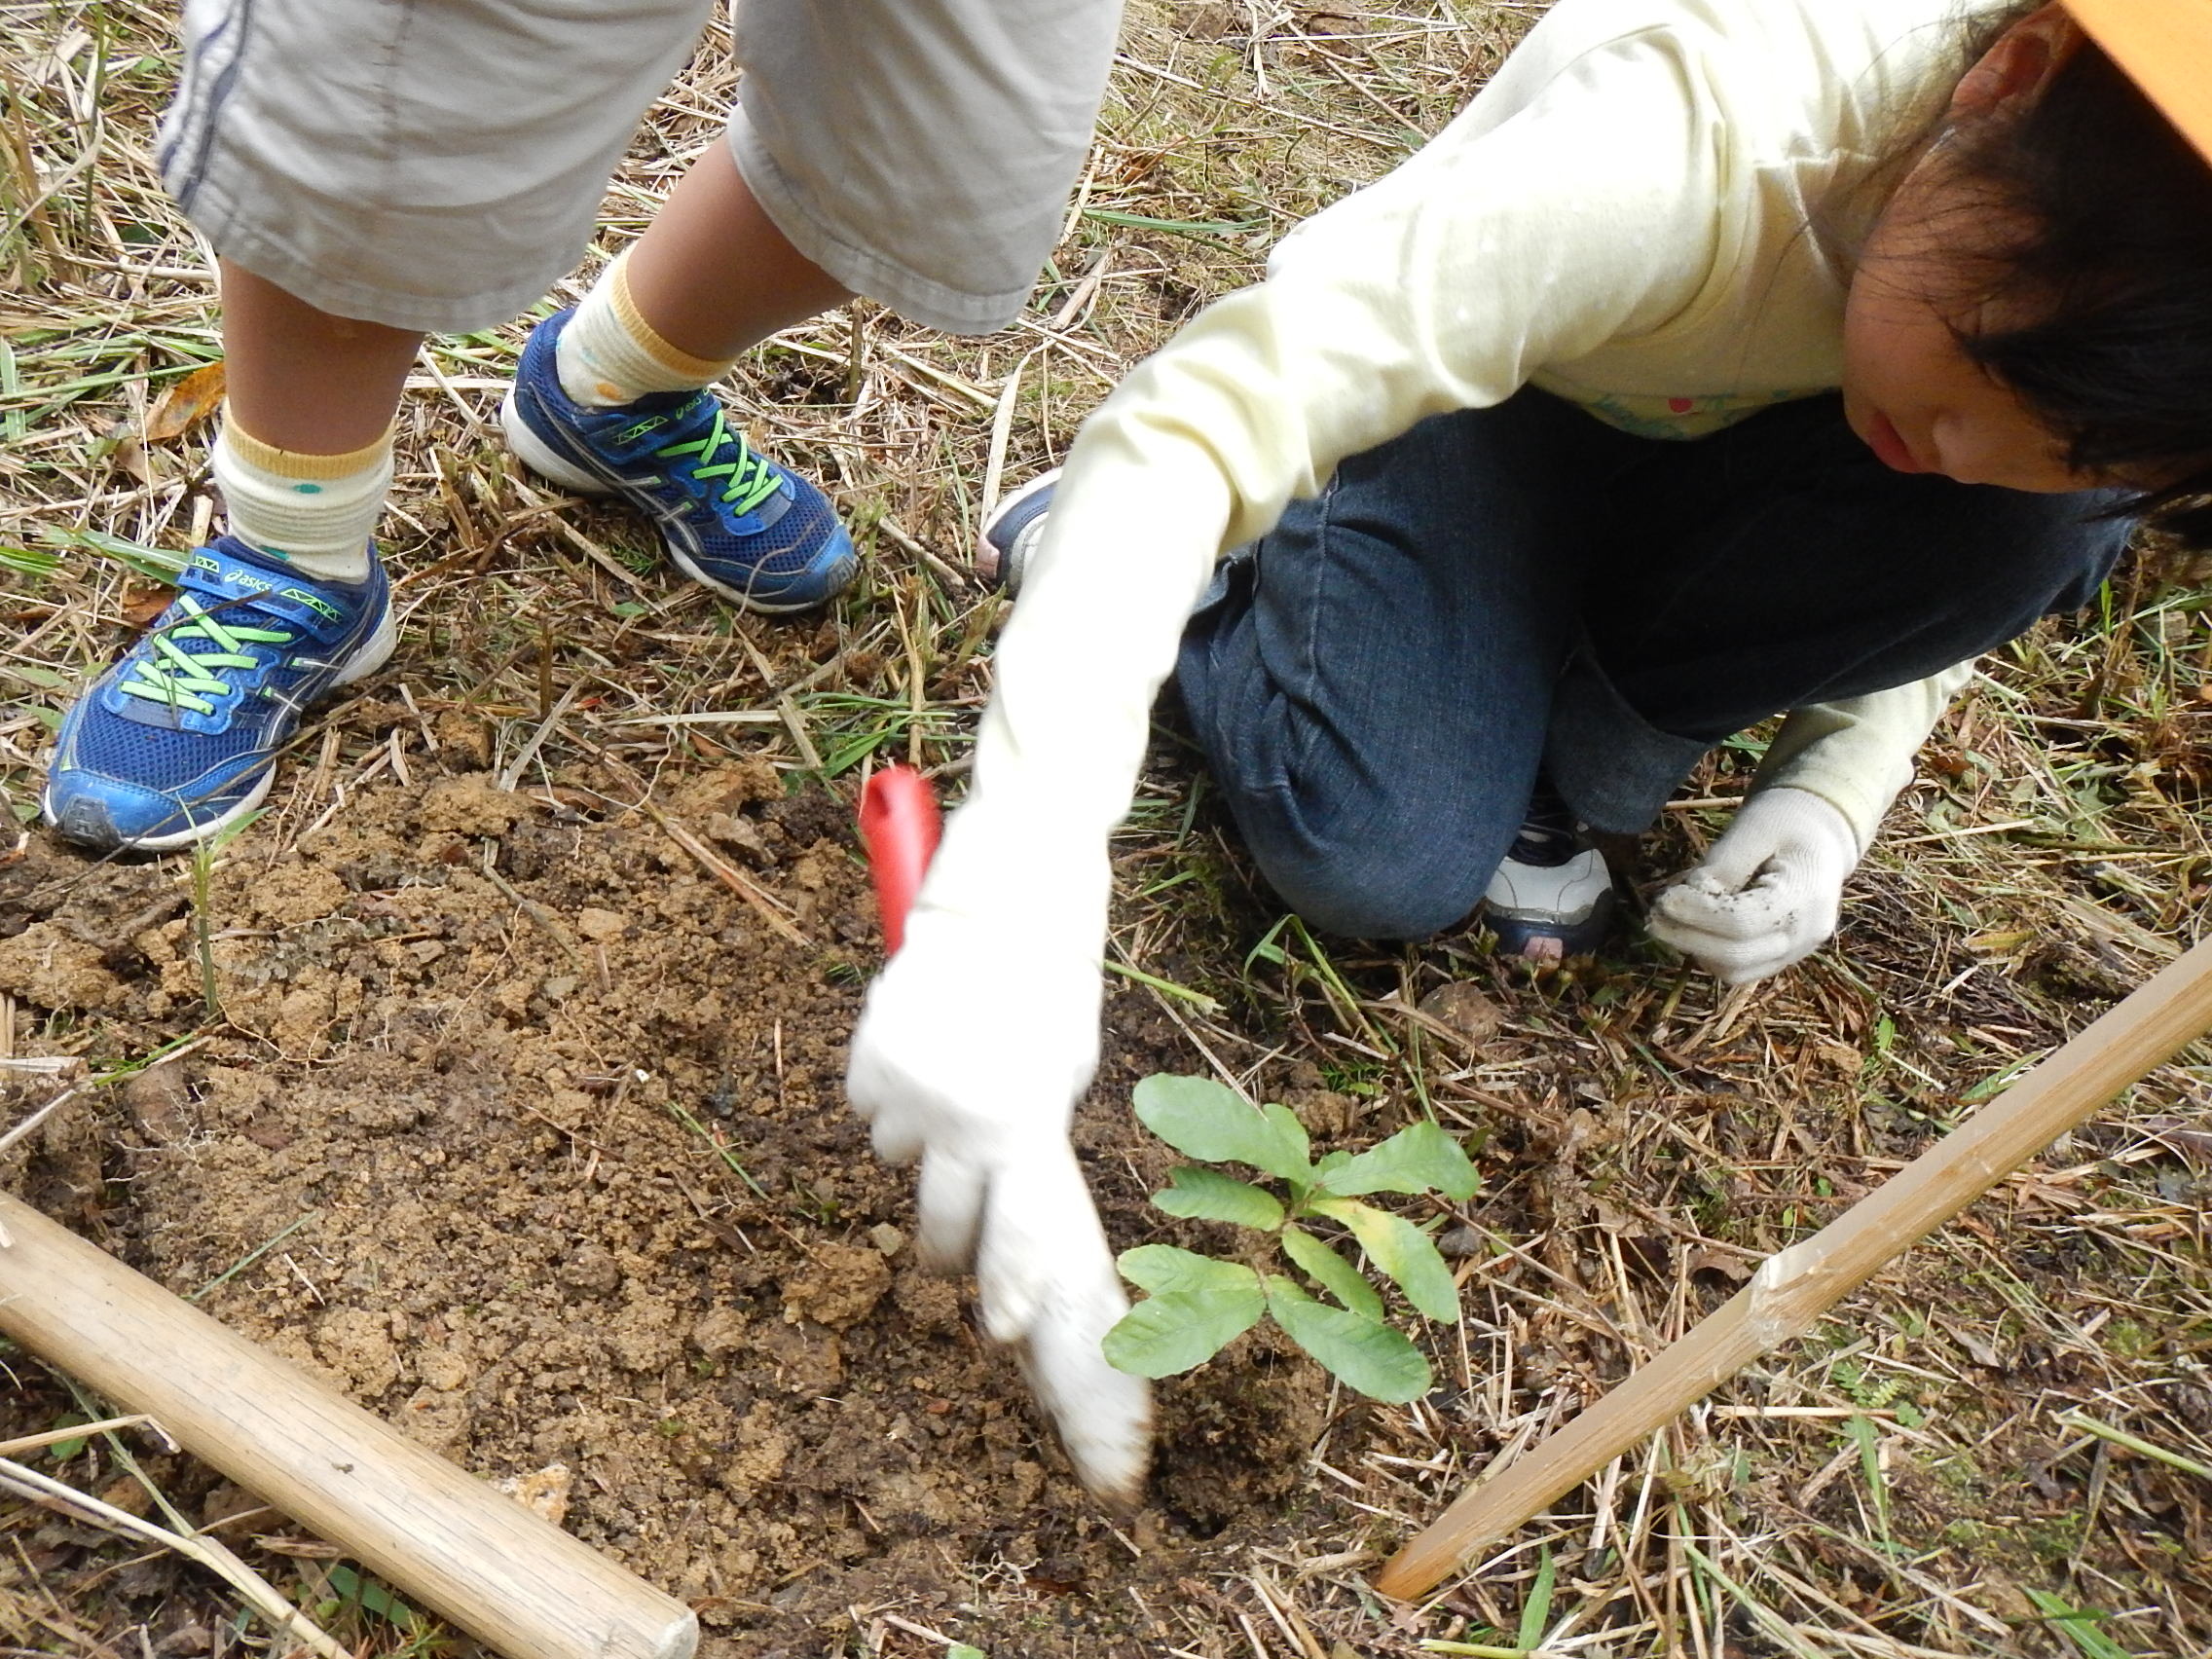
[(2019, 65)]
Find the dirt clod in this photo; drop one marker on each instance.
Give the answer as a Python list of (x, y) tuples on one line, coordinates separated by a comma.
[(470, 804), (842, 1287), (1464, 1009)]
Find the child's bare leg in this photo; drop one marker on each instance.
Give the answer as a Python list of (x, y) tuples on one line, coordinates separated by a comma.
[(713, 275), (303, 380), (304, 458)]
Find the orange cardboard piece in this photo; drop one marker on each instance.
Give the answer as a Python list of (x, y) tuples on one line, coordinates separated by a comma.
[(2165, 47)]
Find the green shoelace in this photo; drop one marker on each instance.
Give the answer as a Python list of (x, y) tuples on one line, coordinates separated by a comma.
[(180, 678), (751, 480)]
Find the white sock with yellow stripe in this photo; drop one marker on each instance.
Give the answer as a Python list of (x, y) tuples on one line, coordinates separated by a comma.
[(608, 355), (315, 511)]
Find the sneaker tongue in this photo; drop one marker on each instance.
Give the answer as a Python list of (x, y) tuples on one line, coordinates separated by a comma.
[(1542, 847)]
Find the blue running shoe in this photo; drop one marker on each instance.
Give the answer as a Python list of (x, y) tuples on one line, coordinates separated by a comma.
[(731, 519), (179, 739)]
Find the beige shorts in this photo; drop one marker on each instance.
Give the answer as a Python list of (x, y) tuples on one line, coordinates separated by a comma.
[(438, 164)]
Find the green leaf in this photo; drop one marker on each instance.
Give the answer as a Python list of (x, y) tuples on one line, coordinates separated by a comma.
[(1537, 1611), (2079, 1625), (1164, 1335), (61, 1450), (1365, 1353), (1403, 1251), (1162, 1268), (1293, 1131), (1332, 1273), (154, 562), (372, 1597), (1207, 1195), (1268, 950), (1201, 1118), (961, 1650), (1420, 1159)]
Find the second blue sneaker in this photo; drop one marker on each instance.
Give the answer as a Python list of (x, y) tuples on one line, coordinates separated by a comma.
[(179, 739), (731, 519)]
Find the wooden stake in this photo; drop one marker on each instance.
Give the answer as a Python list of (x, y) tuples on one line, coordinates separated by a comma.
[(441, 1538), (1793, 1289)]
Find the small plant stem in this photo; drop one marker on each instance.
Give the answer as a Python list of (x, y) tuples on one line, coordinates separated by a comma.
[(76, 1431), (1166, 987), (40, 1116), (2141, 1447), (203, 928), (250, 1256)]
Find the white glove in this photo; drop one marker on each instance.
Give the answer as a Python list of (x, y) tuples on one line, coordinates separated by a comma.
[(1767, 892), (973, 1045)]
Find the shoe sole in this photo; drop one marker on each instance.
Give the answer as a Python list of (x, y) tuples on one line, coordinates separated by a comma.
[(1515, 933), (548, 462), (378, 652)]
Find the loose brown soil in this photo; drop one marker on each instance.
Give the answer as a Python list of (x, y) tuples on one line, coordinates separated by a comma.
[(548, 1125)]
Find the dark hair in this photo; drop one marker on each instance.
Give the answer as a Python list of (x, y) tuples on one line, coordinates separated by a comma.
[(2112, 258)]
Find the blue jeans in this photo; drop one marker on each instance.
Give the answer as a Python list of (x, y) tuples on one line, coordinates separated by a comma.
[(1376, 683)]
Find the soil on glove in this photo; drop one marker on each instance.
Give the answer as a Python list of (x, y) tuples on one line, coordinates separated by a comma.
[(529, 1136)]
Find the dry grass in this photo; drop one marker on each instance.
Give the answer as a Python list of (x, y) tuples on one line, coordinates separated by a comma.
[(1995, 1438)]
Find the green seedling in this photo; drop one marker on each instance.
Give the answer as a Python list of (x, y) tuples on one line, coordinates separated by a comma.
[(1197, 1304)]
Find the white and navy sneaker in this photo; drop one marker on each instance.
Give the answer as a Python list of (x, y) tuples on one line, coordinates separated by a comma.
[(753, 532), (178, 740), (1010, 535), (1552, 897)]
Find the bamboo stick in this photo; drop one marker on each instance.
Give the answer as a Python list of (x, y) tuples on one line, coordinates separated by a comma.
[(1793, 1288), (442, 1537)]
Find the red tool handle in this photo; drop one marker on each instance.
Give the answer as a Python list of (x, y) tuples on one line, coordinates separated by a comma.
[(898, 821)]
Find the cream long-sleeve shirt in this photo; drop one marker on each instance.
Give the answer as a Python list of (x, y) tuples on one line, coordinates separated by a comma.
[(1650, 211)]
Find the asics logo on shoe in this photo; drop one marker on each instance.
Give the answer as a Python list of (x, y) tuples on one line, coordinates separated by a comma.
[(234, 577)]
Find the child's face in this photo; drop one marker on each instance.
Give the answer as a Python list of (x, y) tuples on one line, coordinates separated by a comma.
[(1919, 402)]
